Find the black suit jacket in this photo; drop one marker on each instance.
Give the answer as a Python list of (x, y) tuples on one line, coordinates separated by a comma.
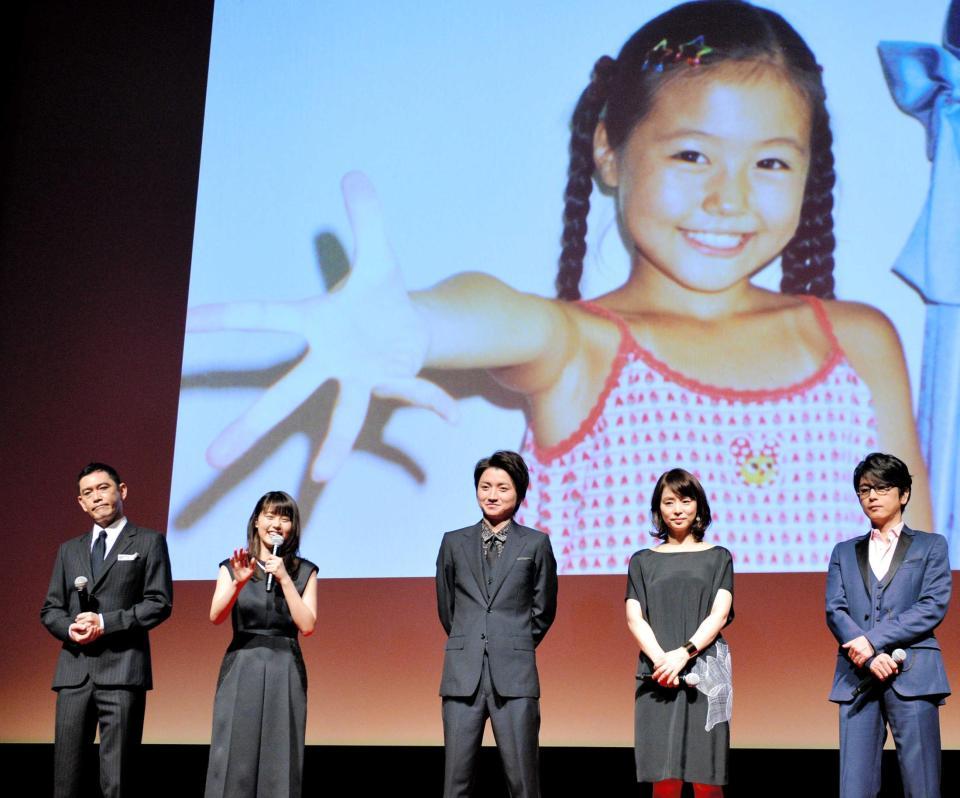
[(134, 593), (506, 619)]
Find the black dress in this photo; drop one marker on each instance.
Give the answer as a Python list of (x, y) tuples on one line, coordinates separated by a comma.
[(260, 710), (682, 733)]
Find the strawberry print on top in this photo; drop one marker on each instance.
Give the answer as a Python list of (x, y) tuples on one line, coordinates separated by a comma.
[(775, 464)]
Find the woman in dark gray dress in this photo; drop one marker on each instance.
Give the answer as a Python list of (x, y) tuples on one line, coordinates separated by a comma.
[(679, 597), (260, 711)]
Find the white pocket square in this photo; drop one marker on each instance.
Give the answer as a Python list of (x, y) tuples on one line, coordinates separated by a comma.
[(127, 557)]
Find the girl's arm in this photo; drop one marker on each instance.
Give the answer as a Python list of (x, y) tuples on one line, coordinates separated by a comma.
[(374, 338), (474, 320), (229, 587), (873, 348), (303, 609)]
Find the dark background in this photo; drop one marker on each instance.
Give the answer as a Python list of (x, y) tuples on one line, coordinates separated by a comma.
[(102, 122)]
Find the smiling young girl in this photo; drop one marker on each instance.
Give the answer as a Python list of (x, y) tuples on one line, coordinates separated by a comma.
[(710, 129), (260, 710)]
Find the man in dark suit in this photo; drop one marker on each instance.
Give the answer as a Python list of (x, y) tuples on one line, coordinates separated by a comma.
[(497, 596), (886, 591), (103, 671)]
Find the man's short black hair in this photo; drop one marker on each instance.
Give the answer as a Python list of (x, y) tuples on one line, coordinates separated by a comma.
[(881, 470), (513, 464), (91, 468)]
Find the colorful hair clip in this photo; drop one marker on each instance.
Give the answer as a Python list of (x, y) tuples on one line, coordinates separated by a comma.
[(662, 54), (656, 56), (699, 50)]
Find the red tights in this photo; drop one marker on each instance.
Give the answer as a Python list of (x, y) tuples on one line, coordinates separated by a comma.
[(671, 788)]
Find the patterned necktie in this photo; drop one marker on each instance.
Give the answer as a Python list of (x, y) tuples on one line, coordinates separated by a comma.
[(98, 554), (497, 540)]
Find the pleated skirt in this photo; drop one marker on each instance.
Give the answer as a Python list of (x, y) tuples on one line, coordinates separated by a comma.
[(259, 721)]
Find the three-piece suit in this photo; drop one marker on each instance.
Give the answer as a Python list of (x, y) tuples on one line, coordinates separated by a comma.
[(901, 610), (495, 616)]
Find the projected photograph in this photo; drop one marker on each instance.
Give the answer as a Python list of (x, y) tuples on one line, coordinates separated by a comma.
[(426, 232)]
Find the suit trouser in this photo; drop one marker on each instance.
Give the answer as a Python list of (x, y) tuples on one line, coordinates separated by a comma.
[(119, 713), (516, 727), (915, 724)]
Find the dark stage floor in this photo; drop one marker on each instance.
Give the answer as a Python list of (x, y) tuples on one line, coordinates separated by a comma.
[(178, 771)]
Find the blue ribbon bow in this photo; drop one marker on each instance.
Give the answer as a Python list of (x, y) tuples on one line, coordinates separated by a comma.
[(924, 80)]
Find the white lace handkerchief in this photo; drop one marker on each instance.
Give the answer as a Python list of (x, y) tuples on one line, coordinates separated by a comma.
[(716, 683)]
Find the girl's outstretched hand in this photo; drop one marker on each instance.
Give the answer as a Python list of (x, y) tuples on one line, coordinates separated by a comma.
[(365, 334), (242, 565)]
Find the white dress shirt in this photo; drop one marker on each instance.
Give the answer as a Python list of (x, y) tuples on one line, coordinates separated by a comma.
[(113, 532)]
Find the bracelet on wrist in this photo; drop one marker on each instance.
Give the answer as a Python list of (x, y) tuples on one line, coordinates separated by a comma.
[(691, 649)]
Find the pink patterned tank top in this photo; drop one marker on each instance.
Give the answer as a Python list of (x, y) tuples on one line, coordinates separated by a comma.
[(776, 464)]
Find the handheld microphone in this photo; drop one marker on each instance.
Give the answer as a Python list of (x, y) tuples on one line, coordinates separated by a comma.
[(686, 679), (868, 681), (277, 541), (80, 585)]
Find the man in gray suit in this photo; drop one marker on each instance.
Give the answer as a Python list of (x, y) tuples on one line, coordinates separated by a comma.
[(497, 596), (103, 671)]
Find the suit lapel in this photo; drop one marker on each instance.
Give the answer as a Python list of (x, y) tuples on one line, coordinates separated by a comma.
[(512, 549), (82, 554), (124, 542), (903, 543), (474, 551), (863, 560)]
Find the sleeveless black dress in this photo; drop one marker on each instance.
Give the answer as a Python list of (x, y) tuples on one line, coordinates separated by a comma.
[(260, 710)]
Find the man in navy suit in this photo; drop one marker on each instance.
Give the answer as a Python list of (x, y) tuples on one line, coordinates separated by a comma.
[(103, 671), (886, 591), (497, 596)]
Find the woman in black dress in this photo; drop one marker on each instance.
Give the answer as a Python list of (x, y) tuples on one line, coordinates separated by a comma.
[(260, 711), (679, 598)]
